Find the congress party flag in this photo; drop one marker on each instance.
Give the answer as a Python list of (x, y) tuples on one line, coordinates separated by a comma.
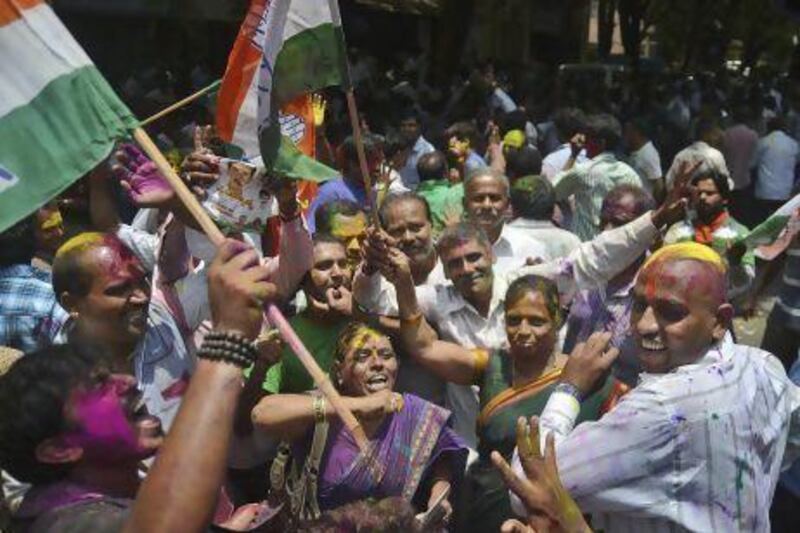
[(769, 230), (58, 116), (284, 49)]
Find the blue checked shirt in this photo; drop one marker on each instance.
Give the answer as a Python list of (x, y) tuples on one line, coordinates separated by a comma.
[(30, 316)]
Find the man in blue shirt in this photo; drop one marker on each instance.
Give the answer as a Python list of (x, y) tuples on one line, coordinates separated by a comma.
[(30, 316), (411, 134), (351, 185)]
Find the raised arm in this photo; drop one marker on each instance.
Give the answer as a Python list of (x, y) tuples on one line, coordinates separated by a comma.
[(446, 360), (181, 491)]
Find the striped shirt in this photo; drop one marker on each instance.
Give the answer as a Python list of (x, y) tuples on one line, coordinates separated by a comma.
[(590, 182), (697, 449), (788, 304)]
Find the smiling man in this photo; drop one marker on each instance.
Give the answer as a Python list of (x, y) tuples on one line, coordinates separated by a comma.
[(699, 443)]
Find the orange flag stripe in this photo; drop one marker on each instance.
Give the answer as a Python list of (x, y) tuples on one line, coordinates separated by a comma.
[(11, 10)]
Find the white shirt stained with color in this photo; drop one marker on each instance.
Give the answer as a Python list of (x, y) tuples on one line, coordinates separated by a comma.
[(697, 449)]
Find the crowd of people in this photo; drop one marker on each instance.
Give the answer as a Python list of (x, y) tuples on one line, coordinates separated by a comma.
[(531, 312)]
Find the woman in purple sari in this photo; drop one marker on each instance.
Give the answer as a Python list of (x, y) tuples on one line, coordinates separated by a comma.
[(412, 452)]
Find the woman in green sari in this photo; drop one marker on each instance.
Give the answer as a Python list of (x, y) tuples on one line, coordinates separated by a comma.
[(513, 382)]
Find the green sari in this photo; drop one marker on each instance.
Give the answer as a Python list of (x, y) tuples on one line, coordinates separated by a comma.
[(501, 406)]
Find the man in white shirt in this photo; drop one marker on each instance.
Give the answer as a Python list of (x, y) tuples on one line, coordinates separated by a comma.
[(775, 160), (533, 201), (568, 122), (486, 203), (699, 443), (700, 150), (643, 156)]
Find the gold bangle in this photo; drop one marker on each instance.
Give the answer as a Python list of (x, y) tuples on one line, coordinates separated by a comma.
[(413, 320), (318, 405), (481, 362)]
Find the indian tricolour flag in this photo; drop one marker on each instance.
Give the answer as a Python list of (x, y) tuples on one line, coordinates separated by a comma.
[(58, 116), (284, 49), (770, 229)]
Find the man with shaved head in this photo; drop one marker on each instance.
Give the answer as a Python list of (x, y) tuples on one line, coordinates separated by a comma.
[(699, 443)]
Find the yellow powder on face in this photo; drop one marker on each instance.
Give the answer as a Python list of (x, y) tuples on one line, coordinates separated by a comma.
[(687, 250), (81, 241), (53, 220)]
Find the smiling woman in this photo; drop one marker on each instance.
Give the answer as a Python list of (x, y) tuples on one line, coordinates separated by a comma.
[(412, 452)]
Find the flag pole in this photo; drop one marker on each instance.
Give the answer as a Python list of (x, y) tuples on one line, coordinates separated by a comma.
[(362, 157), (180, 103), (276, 318)]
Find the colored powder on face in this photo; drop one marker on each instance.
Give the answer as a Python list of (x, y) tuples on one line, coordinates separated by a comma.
[(653, 270), (53, 220), (104, 428), (118, 261)]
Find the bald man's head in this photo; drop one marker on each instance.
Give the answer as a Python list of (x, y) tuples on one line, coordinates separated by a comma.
[(680, 306)]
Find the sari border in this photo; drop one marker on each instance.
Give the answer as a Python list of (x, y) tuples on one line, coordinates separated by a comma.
[(517, 393)]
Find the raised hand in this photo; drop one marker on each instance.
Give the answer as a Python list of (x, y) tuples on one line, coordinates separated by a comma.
[(589, 361), (318, 105), (238, 289), (141, 179), (674, 207), (576, 144), (549, 505), (340, 299)]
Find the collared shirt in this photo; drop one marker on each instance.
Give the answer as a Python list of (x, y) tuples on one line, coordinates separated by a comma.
[(590, 182), (591, 265), (554, 162), (558, 242), (647, 163), (775, 160), (514, 246), (697, 449), (445, 199), (30, 316), (719, 235), (740, 145), (409, 173), (598, 310)]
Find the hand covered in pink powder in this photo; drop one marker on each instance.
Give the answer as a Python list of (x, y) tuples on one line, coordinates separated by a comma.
[(141, 179)]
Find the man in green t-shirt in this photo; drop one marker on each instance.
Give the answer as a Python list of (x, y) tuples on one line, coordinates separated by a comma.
[(444, 198), (327, 290)]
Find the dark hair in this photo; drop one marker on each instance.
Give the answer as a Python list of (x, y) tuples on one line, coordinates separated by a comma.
[(33, 394), (392, 144), (323, 217), (408, 196), (348, 151), (569, 121), (534, 283), (606, 128), (513, 120), (17, 243), (390, 515), (720, 180), (776, 123), (325, 238), (641, 124), (409, 113), (643, 201), (463, 130), (460, 233), (533, 197), (525, 161), (432, 166)]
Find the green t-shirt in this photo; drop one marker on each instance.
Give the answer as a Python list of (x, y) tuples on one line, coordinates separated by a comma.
[(290, 376), (446, 200)]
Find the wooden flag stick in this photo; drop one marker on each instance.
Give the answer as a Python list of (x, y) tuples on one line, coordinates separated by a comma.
[(274, 315), (180, 103), (362, 157)]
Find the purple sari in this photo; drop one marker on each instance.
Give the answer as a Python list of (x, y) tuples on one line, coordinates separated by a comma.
[(398, 459)]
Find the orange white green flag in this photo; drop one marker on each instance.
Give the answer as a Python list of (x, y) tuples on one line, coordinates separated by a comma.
[(285, 48), (59, 117)]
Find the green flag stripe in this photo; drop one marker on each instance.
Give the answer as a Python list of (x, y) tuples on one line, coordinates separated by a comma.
[(60, 135), (310, 60)]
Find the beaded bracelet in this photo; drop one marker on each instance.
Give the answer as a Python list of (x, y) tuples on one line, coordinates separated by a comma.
[(229, 347)]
